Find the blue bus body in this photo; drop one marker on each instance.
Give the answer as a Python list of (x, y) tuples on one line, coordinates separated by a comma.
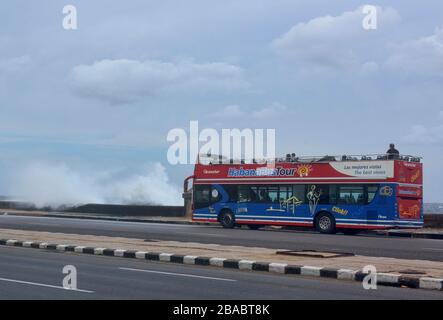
[(378, 208)]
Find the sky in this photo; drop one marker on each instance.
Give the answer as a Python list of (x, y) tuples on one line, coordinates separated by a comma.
[(84, 114)]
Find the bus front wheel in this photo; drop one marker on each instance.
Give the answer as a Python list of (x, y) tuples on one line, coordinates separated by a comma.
[(227, 219), (325, 223)]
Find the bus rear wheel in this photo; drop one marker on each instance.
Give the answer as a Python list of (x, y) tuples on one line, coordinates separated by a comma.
[(325, 223), (227, 219)]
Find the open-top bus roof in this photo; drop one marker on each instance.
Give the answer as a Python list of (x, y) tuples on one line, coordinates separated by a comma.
[(218, 159)]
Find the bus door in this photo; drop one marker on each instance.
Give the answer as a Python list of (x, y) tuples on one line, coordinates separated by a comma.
[(377, 205), (205, 196)]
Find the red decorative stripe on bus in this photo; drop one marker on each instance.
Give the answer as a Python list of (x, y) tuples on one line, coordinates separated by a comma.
[(275, 223)]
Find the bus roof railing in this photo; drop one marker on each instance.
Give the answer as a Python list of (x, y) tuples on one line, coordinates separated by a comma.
[(218, 159)]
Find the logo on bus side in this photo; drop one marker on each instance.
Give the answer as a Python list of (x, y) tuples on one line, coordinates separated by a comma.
[(386, 191), (412, 212), (279, 171), (304, 170), (415, 176), (341, 211)]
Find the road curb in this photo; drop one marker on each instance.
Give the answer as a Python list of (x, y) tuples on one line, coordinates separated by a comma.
[(385, 279)]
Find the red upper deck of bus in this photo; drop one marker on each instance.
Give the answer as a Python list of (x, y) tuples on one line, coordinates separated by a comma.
[(406, 171)]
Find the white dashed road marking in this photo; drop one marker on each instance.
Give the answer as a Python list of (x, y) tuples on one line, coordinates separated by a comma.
[(177, 274)]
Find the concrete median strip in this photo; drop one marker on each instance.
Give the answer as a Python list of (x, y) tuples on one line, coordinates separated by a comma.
[(383, 278), (99, 251), (346, 274), (245, 264), (119, 252), (27, 244), (310, 271), (189, 259)]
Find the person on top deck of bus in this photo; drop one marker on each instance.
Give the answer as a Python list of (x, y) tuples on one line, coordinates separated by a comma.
[(392, 152)]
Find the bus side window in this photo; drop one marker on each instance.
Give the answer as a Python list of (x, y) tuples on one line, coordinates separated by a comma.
[(318, 193), (285, 192), (201, 196), (243, 194), (262, 194), (351, 195), (273, 193), (372, 191), (253, 194), (299, 192), (324, 193), (215, 195), (333, 194), (231, 190)]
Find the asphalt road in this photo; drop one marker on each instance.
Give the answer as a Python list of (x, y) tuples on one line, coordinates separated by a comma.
[(424, 249), (37, 274)]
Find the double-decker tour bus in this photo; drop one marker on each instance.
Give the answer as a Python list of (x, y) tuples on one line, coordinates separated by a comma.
[(331, 193)]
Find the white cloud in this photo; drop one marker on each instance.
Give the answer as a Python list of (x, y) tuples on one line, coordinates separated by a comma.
[(335, 42), (234, 111), (271, 111), (422, 134), (369, 67), (422, 56), (13, 65), (127, 81), (230, 111)]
